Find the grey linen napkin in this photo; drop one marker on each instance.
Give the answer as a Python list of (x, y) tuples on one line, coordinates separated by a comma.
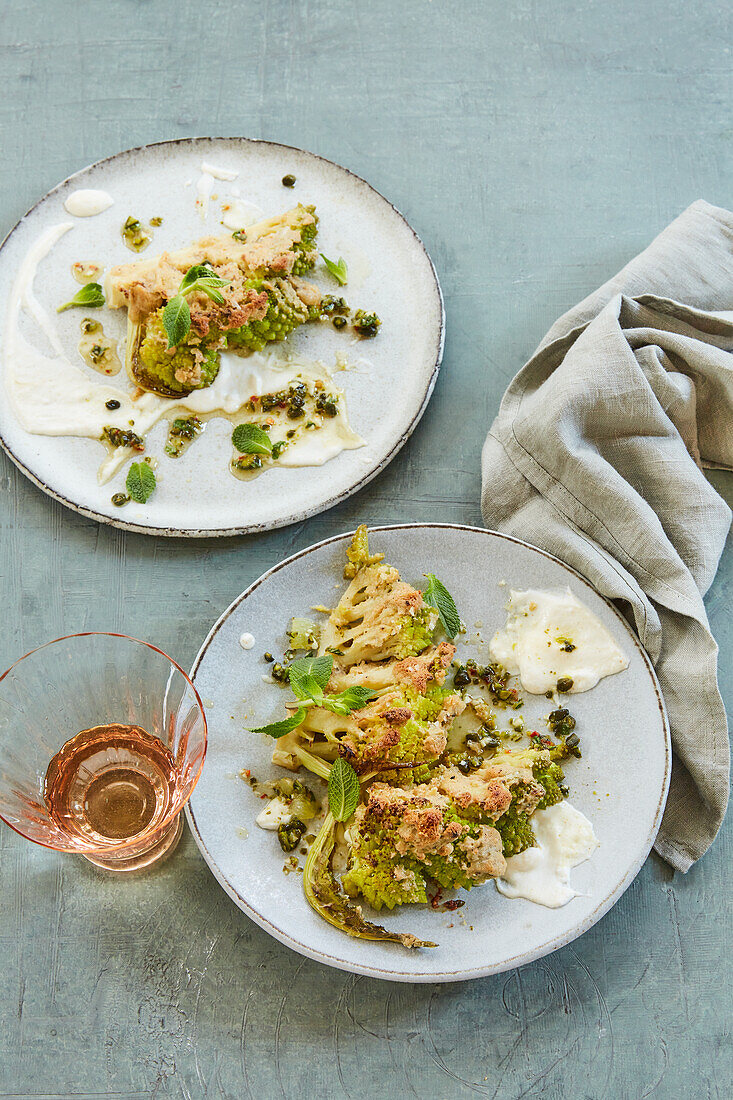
[(596, 456)]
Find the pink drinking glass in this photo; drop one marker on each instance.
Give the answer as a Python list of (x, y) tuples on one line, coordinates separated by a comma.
[(77, 683)]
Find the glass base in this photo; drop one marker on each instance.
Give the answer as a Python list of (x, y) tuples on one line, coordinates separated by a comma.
[(163, 846)]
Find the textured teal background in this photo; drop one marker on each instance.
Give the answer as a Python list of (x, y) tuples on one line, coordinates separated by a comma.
[(535, 145)]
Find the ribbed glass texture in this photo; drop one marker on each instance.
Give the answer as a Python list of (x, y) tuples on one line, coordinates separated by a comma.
[(72, 684)]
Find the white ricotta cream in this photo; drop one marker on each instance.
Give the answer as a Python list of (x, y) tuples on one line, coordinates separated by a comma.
[(85, 204), (238, 214), (275, 814), (246, 640), (565, 838), (217, 172), (205, 185), (52, 396), (549, 636)]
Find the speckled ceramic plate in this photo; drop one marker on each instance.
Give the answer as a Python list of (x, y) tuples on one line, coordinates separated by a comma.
[(490, 933), (389, 272)]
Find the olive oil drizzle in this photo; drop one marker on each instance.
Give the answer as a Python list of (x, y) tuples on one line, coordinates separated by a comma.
[(97, 350)]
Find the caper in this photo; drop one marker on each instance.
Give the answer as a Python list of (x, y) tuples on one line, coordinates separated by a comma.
[(119, 499), (565, 683), (339, 322), (288, 181), (289, 834), (461, 678), (112, 404)]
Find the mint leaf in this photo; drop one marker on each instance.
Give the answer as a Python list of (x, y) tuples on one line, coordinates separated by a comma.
[(203, 278), (176, 320), (251, 440), (343, 789), (198, 271), (353, 698), (339, 270), (309, 676), (140, 482), (279, 729), (438, 596), (90, 295)]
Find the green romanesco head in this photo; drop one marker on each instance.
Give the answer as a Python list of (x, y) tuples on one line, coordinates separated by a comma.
[(551, 777), (305, 247), (451, 871), (371, 872), (156, 367), (416, 634), (357, 553), (425, 709), (515, 830), (283, 315)]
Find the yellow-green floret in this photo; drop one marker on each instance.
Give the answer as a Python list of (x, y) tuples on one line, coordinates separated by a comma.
[(515, 826), (157, 365), (515, 830), (416, 634), (305, 247), (380, 876), (551, 777), (285, 312), (454, 870)]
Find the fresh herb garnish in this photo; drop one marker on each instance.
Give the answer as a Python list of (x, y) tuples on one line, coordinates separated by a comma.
[(240, 235), (90, 295), (343, 790), (279, 729), (251, 440), (339, 270), (201, 278), (176, 320), (140, 482), (308, 677), (438, 596)]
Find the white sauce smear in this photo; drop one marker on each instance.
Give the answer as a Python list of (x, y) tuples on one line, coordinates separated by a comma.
[(541, 874), (551, 635), (205, 184), (275, 814), (240, 214), (85, 204)]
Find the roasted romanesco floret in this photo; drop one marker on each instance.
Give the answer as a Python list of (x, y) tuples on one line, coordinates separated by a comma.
[(416, 633), (285, 312), (376, 874), (400, 837), (305, 246), (357, 554), (192, 365), (515, 830)]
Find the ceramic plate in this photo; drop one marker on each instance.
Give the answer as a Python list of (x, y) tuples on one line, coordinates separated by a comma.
[(490, 933), (389, 272)]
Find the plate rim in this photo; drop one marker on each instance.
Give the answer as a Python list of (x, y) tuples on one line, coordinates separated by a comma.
[(521, 958), (294, 517)]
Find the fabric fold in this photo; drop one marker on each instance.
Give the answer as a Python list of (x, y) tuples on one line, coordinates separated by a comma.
[(596, 454)]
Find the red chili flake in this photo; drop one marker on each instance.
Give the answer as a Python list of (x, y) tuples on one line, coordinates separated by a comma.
[(435, 899)]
